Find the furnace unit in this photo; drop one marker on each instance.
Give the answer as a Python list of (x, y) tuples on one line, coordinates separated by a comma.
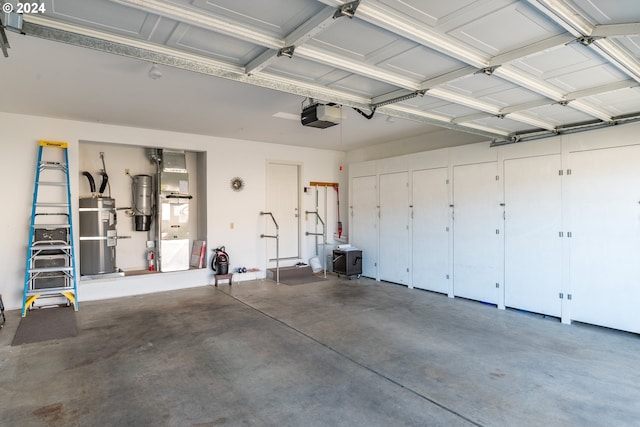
[(173, 214)]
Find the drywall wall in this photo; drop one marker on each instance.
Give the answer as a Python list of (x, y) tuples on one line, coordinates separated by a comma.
[(224, 159), (420, 143)]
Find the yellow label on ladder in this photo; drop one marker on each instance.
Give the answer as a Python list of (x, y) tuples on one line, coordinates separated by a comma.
[(54, 144)]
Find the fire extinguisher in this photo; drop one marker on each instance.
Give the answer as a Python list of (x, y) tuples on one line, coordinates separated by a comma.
[(220, 261), (151, 257)]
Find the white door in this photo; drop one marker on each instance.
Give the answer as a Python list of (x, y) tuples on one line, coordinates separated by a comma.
[(283, 201), (533, 246), (394, 228), (430, 227), (363, 228), (475, 236), (605, 237)]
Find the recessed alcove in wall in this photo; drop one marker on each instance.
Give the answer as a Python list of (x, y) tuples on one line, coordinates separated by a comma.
[(122, 163)]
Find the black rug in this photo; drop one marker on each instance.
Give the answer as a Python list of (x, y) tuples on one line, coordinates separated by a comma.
[(294, 275), (46, 324)]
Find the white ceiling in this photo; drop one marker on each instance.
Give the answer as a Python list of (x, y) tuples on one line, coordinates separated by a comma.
[(463, 70)]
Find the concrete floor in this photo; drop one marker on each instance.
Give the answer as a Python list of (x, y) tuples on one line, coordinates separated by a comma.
[(334, 353)]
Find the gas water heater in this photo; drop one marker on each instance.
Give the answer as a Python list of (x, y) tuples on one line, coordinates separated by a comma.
[(98, 235)]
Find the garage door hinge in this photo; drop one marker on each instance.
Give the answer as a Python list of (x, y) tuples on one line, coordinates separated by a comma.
[(407, 269), (447, 229), (560, 172), (497, 177), (497, 285), (568, 171), (447, 277), (497, 231), (447, 181), (561, 295), (569, 297)]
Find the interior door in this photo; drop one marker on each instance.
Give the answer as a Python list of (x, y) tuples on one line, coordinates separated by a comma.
[(283, 190), (533, 247), (475, 237), (363, 228), (605, 237), (394, 228), (430, 227)]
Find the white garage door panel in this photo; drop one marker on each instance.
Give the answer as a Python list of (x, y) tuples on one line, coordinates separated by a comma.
[(605, 242), (394, 227), (533, 248), (475, 242), (429, 224), (364, 222)]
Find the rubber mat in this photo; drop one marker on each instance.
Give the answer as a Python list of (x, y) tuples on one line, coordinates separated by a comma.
[(295, 275), (46, 324), (291, 281)]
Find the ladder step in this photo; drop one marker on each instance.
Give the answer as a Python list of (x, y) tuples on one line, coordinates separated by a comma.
[(50, 247), (52, 205), (53, 183), (49, 167), (51, 226), (50, 291), (51, 214), (49, 269)]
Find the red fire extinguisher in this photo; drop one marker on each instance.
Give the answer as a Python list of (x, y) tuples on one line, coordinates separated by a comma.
[(151, 257)]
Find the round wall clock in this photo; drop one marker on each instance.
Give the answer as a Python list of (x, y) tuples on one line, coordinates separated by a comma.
[(237, 184)]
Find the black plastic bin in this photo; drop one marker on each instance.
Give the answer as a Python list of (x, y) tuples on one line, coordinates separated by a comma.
[(347, 262)]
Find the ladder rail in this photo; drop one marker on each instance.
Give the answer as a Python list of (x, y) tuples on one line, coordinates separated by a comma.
[(71, 235), (31, 234)]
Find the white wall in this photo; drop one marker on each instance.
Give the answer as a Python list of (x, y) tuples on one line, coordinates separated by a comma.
[(225, 159), (443, 138)]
